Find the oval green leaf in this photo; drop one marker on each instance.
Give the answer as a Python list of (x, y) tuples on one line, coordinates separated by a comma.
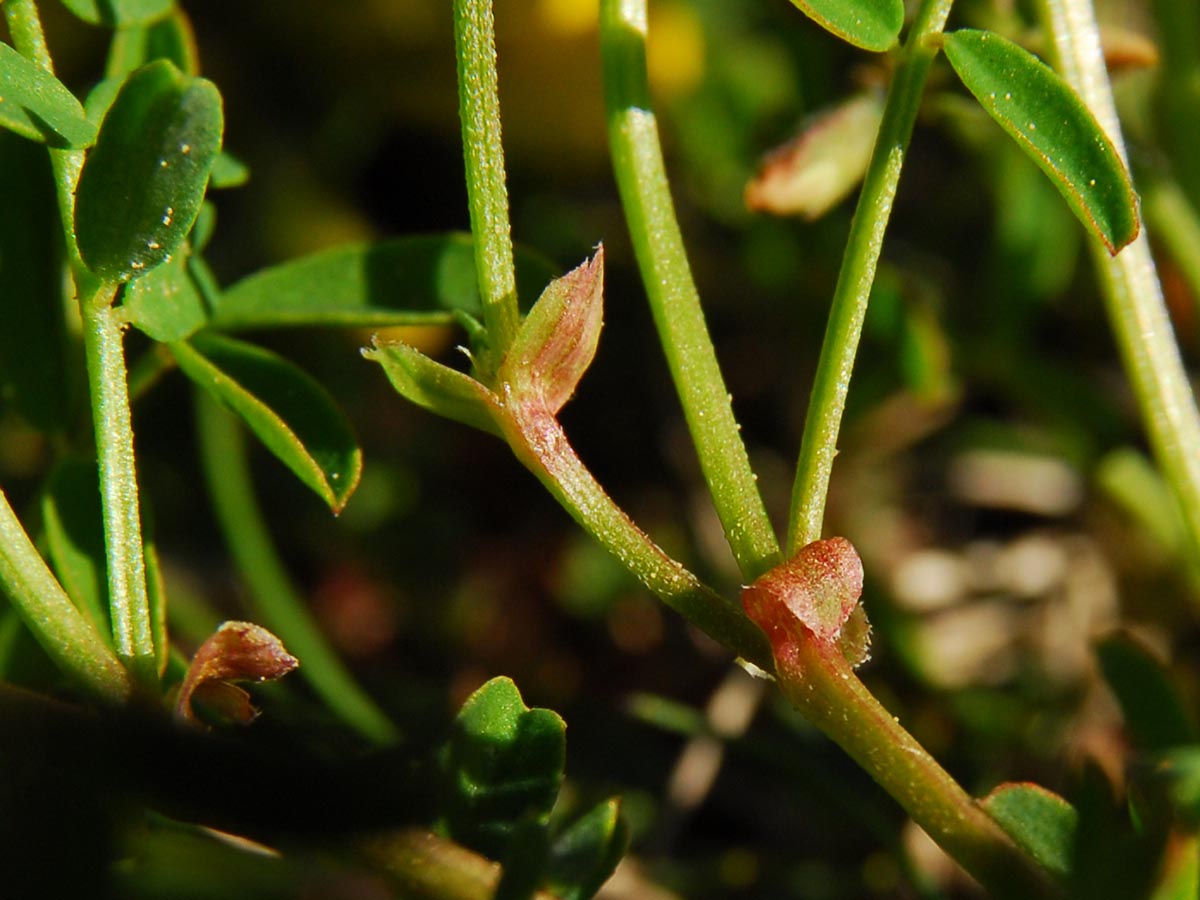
[(869, 24), (36, 105), (421, 280), (165, 303), (1053, 126), (144, 181), (118, 12), (285, 407), (1041, 822)]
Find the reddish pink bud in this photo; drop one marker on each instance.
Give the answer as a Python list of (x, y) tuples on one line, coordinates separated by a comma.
[(237, 651), (819, 587)]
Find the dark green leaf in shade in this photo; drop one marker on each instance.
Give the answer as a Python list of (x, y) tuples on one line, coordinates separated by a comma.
[(34, 371), (170, 38), (1041, 822), (228, 172), (422, 280), (440, 389), (525, 858), (1155, 714), (118, 12), (75, 537), (503, 763), (142, 184), (869, 24), (287, 409), (165, 303), (1053, 126), (36, 105), (156, 593), (585, 854)]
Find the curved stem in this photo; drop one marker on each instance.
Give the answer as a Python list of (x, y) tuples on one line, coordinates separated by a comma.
[(823, 422), (674, 302), (483, 154), (1129, 282), (540, 444), (65, 633), (275, 598)]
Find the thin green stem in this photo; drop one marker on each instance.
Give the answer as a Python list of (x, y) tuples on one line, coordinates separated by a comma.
[(1129, 283), (103, 344), (832, 381), (540, 444), (674, 302), (65, 633), (275, 598), (483, 154)]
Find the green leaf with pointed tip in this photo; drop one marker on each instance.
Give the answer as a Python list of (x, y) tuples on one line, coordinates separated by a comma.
[(118, 12), (165, 303), (36, 105), (1041, 822), (503, 764), (1052, 125), (170, 38), (435, 387), (75, 537), (142, 184), (1155, 714), (422, 280), (869, 24), (585, 854), (285, 407)]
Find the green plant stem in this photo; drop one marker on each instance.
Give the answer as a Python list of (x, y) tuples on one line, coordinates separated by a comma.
[(674, 302), (275, 598), (65, 633), (832, 381), (103, 343), (483, 154), (820, 683), (540, 444), (1129, 283)]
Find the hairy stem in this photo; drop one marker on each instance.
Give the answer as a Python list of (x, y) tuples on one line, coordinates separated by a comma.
[(483, 154), (1129, 282), (832, 381), (66, 634), (674, 302), (275, 599)]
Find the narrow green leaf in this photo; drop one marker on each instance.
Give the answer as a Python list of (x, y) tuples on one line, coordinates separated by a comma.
[(170, 38), (585, 854), (1052, 125), (503, 764), (869, 24), (118, 12), (142, 184), (437, 388), (286, 408), (165, 303), (35, 375), (422, 280), (1155, 714), (36, 105), (156, 594), (1041, 822), (75, 537)]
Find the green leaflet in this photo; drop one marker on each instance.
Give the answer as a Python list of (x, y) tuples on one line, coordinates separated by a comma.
[(869, 24), (170, 38), (38, 106), (118, 12), (585, 853), (142, 184), (165, 303), (418, 280), (1051, 124), (1040, 821), (286, 408), (1156, 716)]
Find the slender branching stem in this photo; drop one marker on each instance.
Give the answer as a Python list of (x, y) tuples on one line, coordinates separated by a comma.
[(483, 154), (832, 381), (66, 634), (1129, 282), (275, 598), (674, 302)]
